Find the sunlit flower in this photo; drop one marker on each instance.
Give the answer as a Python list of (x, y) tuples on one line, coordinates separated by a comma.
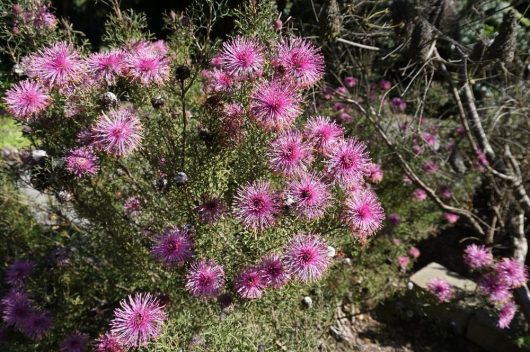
[(451, 218), (506, 314), (118, 131), (323, 133), (138, 320), (109, 343), (347, 161), (107, 66), (250, 283), (374, 173), (289, 154), (363, 212), (256, 205), (403, 262), (274, 105), (414, 252), (242, 57), (511, 272), (273, 271), (205, 279), (441, 289), (419, 194), (494, 287), (478, 257), (26, 100), (82, 162), (147, 63), (306, 257), (310, 197)]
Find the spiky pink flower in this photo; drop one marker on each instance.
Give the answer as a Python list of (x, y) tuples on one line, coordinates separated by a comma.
[(323, 133), (299, 61), (173, 247), (441, 289), (56, 66), (44, 19), (403, 262), (250, 283), (309, 196), (132, 206), (76, 342), (109, 343), (26, 99), (273, 270), (211, 209), (511, 272), (306, 257), (289, 154), (256, 205), (148, 64), (242, 57), (347, 161), (494, 287), (205, 279), (274, 105), (82, 162), (118, 132), (478, 257), (107, 66), (138, 320), (506, 315), (419, 194), (36, 325), (414, 252), (19, 271), (451, 218), (350, 81), (363, 212), (374, 173)]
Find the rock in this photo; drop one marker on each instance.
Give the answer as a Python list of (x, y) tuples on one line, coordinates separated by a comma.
[(307, 302)]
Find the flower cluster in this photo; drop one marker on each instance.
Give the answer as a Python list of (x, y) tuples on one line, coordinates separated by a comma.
[(18, 310), (497, 279)]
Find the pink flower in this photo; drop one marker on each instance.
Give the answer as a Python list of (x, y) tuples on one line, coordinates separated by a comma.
[(205, 279), (173, 247), (441, 289), (274, 105), (350, 81), (309, 197), (297, 60), (57, 66), (82, 162), (506, 314), (76, 342), (419, 194), (138, 320), (147, 63), (345, 118), (494, 287), (363, 212), (256, 205), (19, 271), (511, 272), (217, 81), (430, 139), (306, 257), (118, 132), (273, 271), (342, 91), (477, 257), (406, 180), (347, 161), (250, 283), (414, 252), (242, 57), (374, 173), (289, 155), (385, 85), (109, 343), (107, 66), (132, 206), (26, 99), (451, 218), (403, 262), (44, 19), (323, 133)]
